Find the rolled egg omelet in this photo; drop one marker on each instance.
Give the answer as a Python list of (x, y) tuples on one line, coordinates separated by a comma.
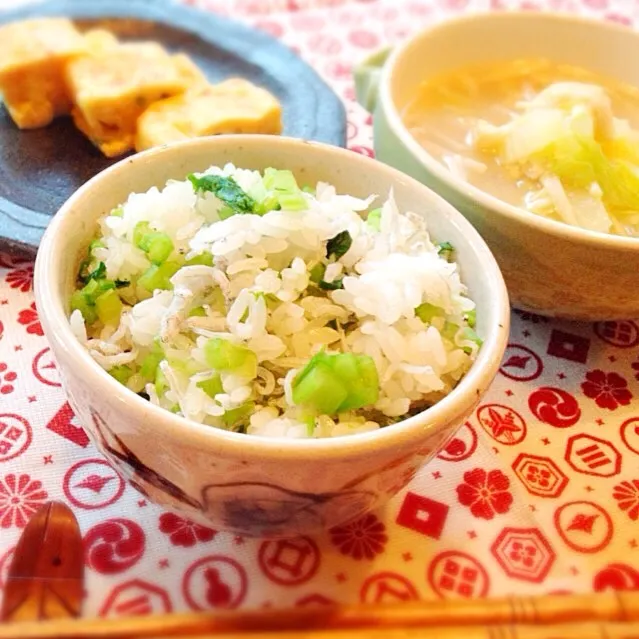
[(233, 106), (33, 57)]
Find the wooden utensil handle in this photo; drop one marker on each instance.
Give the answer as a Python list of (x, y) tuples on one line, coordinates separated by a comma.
[(604, 615)]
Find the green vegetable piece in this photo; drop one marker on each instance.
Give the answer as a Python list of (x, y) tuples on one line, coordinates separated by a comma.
[(98, 273), (222, 355), (212, 386), (121, 373), (449, 331), (339, 245), (161, 385), (121, 283), (198, 311), (118, 211), (95, 288), (468, 334), (308, 189), (109, 307), (317, 273), (293, 202), (359, 374), (427, 312), (471, 318), (332, 286), (445, 250), (149, 367), (203, 259), (270, 202), (337, 382), (79, 303), (232, 417), (226, 212), (284, 180), (374, 220), (225, 189), (158, 276), (95, 244), (158, 247), (318, 388), (139, 232)]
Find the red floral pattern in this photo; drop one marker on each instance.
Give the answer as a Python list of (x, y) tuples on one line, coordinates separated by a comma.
[(29, 318), (21, 278), (183, 532), (7, 378), (609, 390), (20, 497), (627, 495), (362, 539), (486, 493)]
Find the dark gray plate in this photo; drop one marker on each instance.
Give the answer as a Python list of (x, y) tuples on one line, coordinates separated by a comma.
[(39, 169)]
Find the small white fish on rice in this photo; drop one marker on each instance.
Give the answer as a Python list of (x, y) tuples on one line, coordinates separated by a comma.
[(272, 305)]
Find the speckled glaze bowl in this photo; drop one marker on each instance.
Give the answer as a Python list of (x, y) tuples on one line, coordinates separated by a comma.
[(253, 485), (549, 267)]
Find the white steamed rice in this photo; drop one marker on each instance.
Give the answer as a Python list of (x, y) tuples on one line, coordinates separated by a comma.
[(258, 293)]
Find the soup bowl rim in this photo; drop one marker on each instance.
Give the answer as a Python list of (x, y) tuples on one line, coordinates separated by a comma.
[(392, 67)]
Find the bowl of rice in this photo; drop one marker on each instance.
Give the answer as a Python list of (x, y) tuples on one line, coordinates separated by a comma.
[(269, 336)]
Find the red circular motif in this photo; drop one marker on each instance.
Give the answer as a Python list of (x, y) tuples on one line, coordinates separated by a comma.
[(363, 538), (521, 364), (114, 546), (39, 367), (461, 446), (623, 334), (609, 390), (554, 406), (5, 564), (502, 423), (215, 582), (92, 484), (629, 432), (387, 587), (455, 575), (584, 526), (524, 553), (289, 562), (15, 436)]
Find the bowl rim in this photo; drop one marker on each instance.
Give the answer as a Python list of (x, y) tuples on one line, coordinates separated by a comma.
[(554, 228), (419, 427)]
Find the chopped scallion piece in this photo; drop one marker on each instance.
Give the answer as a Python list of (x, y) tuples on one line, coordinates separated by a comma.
[(374, 220), (284, 180), (317, 273), (332, 286), (79, 303), (121, 373), (109, 307), (339, 245), (293, 202), (211, 386), (222, 355), (427, 312), (225, 189), (158, 276)]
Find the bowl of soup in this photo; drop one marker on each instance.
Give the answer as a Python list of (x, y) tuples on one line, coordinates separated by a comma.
[(534, 137)]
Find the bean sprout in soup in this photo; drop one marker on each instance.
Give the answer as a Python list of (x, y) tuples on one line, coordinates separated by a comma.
[(557, 140)]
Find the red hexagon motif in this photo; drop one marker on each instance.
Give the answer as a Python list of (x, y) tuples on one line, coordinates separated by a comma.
[(593, 456), (523, 553), (540, 475), (136, 597)]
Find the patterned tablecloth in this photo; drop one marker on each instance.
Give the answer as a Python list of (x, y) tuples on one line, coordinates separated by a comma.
[(537, 493)]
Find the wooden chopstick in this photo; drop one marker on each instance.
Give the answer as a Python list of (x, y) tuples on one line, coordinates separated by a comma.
[(614, 614)]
